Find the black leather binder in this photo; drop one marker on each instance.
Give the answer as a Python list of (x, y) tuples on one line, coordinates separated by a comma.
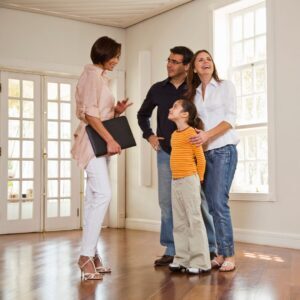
[(119, 129)]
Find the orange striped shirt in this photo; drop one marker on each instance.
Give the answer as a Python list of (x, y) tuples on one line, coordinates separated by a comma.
[(186, 159)]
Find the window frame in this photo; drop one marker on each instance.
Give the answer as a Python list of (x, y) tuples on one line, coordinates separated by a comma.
[(222, 12)]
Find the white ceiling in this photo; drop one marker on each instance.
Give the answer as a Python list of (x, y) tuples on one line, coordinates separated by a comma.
[(117, 13)]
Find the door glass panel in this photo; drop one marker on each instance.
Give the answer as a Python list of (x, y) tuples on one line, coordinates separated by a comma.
[(14, 89), (65, 207), (59, 134), (13, 149), (28, 89), (52, 91), (28, 130), (13, 169), (52, 130), (14, 108), (27, 149), (65, 92), (52, 208), (13, 128), (28, 111), (26, 210), (27, 169), (13, 210)]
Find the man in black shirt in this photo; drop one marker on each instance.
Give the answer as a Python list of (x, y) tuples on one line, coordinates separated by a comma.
[(162, 95)]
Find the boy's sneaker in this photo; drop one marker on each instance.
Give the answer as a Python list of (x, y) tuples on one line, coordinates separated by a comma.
[(177, 268), (196, 271)]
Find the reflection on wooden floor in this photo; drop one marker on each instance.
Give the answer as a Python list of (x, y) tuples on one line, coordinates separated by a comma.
[(43, 266)]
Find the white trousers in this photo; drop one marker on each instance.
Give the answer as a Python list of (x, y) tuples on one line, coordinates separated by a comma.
[(97, 198)]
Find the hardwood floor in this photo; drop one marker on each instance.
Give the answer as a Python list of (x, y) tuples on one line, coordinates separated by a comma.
[(43, 267)]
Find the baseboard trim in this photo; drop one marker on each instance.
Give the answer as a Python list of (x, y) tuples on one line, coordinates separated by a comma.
[(142, 224), (275, 239), (285, 240)]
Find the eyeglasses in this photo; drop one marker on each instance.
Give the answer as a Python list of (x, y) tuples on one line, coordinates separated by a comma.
[(174, 62)]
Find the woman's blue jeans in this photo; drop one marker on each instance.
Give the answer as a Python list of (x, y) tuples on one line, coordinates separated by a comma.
[(220, 168), (165, 203)]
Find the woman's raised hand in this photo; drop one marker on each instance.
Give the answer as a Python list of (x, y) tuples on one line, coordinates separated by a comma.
[(122, 106)]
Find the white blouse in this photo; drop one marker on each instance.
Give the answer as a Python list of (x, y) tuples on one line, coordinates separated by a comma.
[(219, 104)]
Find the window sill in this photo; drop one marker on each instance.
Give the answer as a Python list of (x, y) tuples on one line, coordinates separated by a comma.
[(251, 197)]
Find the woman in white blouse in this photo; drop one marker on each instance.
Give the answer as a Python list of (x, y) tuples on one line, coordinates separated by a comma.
[(215, 100)]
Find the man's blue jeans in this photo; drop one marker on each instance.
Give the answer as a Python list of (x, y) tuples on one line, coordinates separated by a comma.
[(220, 168), (165, 203)]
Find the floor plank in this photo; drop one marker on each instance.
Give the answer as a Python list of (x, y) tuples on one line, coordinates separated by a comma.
[(43, 267)]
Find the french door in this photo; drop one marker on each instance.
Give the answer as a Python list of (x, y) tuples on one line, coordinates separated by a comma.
[(40, 186)]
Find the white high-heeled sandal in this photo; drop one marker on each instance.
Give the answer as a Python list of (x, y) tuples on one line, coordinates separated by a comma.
[(101, 268), (89, 276)]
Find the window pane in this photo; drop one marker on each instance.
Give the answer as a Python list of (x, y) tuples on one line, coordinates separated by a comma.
[(52, 188), (52, 111), (237, 82), (65, 111), (28, 130), (249, 110), (13, 211), (52, 130), (250, 147), (248, 25), (247, 81), (65, 92), (27, 189), (65, 149), (27, 210), (53, 169), (28, 110), (27, 149), (13, 169), (65, 169), (65, 207), (249, 51), (52, 149), (14, 108), (260, 47), (13, 190), (261, 108), (260, 78), (65, 188), (14, 88), (52, 91), (237, 54), (13, 149), (65, 130), (13, 128), (27, 89), (27, 169), (237, 27), (262, 150), (260, 21), (52, 208)]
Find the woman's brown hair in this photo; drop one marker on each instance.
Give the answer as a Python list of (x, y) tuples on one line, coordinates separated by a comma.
[(193, 80), (104, 49)]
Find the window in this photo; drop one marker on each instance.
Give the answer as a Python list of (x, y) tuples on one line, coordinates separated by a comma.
[(241, 28)]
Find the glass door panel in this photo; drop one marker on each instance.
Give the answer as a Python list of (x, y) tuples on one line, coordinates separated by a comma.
[(62, 199), (20, 164)]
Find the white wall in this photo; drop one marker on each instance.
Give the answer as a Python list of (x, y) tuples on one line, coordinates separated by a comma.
[(274, 223), (46, 43)]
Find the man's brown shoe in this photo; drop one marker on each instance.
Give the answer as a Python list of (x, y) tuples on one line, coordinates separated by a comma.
[(165, 260)]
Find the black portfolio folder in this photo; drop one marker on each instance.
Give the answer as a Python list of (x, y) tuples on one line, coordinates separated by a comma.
[(120, 131)]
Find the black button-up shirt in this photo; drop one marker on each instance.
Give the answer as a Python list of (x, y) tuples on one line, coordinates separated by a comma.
[(162, 94)]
